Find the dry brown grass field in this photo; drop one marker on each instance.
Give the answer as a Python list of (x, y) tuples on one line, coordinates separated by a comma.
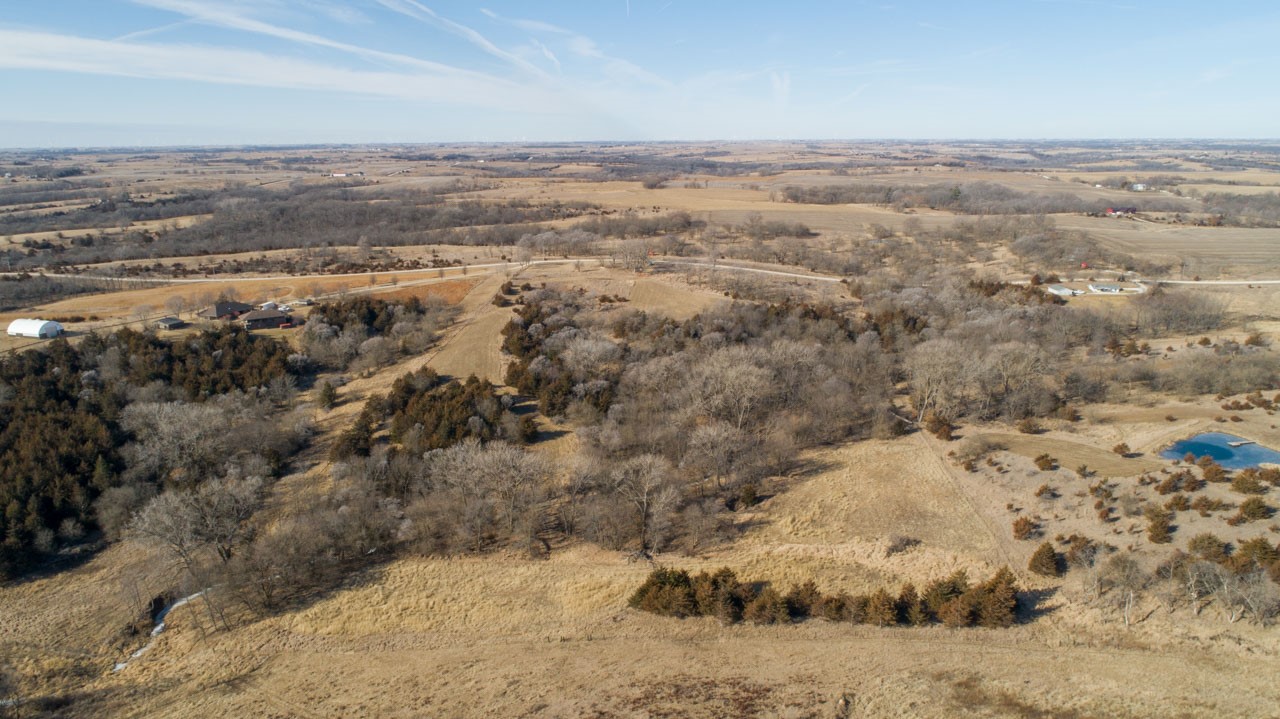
[(501, 634)]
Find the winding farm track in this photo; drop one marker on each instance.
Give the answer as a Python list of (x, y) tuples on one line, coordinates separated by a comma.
[(512, 266), (491, 266)]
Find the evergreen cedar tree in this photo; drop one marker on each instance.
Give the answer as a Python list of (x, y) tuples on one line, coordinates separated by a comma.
[(952, 601), (328, 396), (60, 436), (1045, 561), (446, 411)]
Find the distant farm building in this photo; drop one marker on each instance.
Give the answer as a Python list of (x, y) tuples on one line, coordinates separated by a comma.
[(169, 323), (38, 329), (1138, 187), (1107, 289), (225, 311), (1063, 291), (1116, 211), (265, 319)]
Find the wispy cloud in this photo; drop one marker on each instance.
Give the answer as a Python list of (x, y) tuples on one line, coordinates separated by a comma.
[(853, 95), (47, 51), (153, 30), (235, 18), (781, 82), (336, 11), (420, 12), (584, 47), (526, 25), (546, 52)]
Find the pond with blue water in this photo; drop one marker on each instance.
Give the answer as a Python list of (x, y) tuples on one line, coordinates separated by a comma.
[(1217, 445)]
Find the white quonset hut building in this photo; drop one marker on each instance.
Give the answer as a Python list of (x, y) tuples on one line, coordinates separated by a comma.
[(40, 329)]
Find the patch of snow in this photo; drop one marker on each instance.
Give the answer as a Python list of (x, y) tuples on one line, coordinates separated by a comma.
[(157, 629)]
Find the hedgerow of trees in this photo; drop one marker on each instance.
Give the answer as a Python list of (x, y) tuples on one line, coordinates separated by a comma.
[(953, 601), (977, 198)]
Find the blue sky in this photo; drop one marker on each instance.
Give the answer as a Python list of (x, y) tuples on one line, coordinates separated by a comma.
[(166, 72)]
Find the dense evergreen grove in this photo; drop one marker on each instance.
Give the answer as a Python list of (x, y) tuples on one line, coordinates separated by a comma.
[(63, 417), (213, 362), (445, 413), (953, 601), (425, 411)]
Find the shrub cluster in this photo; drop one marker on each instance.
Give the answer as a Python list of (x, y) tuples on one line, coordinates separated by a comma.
[(952, 601), (1250, 555)]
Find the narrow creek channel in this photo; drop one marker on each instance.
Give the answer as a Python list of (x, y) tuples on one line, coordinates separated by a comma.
[(157, 629)]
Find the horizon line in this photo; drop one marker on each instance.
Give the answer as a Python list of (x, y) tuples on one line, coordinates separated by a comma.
[(443, 143)]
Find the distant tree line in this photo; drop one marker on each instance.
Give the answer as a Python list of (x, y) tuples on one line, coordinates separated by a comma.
[(631, 225), (248, 219), (24, 290), (971, 198), (1251, 210)]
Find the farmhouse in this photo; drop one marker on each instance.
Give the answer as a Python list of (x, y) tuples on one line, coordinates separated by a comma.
[(265, 319), (40, 329), (1063, 291), (1106, 289), (225, 310)]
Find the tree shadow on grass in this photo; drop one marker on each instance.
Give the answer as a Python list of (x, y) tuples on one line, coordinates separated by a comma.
[(1031, 604), (65, 560), (546, 435), (810, 467)]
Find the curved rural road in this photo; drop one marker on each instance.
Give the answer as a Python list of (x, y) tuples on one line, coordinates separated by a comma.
[(716, 265), (720, 265)]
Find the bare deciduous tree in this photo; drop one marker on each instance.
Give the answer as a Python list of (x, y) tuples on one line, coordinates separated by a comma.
[(175, 304), (714, 451), (1126, 580), (211, 516), (645, 483)]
